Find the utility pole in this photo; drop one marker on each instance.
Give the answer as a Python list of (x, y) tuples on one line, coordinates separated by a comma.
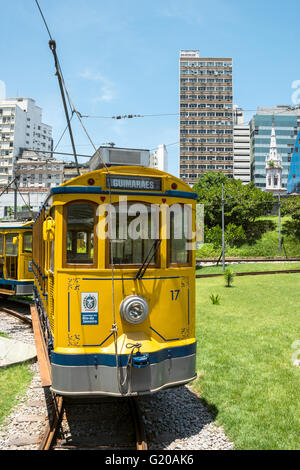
[(223, 231), (279, 225), (16, 198)]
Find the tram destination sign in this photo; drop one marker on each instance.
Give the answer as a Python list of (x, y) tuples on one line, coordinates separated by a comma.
[(134, 183)]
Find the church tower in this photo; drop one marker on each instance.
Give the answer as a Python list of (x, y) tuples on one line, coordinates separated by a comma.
[(273, 166)]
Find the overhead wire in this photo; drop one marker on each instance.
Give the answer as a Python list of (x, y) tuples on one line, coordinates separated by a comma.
[(26, 205), (131, 116), (60, 139), (7, 186)]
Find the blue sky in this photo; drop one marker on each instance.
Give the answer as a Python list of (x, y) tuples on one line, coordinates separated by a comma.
[(121, 57)]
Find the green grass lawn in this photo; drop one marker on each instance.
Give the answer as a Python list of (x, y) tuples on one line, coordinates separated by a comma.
[(246, 267), (244, 358), (14, 381)]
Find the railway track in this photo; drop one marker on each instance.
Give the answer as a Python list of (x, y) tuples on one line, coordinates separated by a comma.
[(87, 424), (248, 260), (20, 310)]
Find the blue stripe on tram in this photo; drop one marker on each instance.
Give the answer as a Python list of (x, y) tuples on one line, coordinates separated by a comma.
[(110, 359)]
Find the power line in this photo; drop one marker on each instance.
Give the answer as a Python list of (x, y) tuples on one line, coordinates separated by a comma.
[(7, 186), (26, 205), (63, 134), (131, 116), (58, 153), (128, 116)]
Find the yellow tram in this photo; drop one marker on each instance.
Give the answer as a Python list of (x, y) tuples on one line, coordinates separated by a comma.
[(114, 270), (16, 277)]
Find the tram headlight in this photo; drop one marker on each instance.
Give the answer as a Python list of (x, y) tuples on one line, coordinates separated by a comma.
[(134, 309)]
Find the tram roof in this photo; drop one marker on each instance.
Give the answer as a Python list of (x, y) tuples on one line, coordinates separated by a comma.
[(139, 171), (80, 184), (12, 224)]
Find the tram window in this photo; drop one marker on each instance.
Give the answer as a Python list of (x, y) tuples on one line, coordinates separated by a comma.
[(11, 249), (52, 245), (27, 243), (80, 233), (51, 265), (180, 234), (1, 244), (134, 234)]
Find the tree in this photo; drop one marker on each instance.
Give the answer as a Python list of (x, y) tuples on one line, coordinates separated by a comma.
[(291, 207), (234, 236), (243, 203)]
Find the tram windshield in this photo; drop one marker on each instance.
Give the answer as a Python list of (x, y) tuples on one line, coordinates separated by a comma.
[(11, 249), (135, 229)]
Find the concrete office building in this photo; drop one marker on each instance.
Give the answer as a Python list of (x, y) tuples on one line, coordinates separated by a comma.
[(38, 171), (206, 116)]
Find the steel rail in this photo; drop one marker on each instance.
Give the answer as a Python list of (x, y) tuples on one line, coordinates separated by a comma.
[(141, 443), (53, 425), (252, 273), (248, 260), (20, 316)]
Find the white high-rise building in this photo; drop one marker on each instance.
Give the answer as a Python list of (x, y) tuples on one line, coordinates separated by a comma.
[(159, 158), (241, 147), (21, 127), (206, 116)]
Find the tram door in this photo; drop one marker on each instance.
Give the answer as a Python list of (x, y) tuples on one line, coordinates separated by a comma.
[(48, 241), (11, 255)]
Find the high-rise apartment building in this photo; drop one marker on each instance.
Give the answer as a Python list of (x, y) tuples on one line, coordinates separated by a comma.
[(159, 158), (241, 147), (286, 123), (206, 116), (21, 127)]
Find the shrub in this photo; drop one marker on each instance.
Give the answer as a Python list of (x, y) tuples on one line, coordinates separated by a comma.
[(215, 299), (228, 275)]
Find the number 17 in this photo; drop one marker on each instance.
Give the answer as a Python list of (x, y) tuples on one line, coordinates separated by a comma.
[(175, 294)]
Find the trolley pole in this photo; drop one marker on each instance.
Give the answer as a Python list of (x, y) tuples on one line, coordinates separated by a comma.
[(279, 225), (223, 231)]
